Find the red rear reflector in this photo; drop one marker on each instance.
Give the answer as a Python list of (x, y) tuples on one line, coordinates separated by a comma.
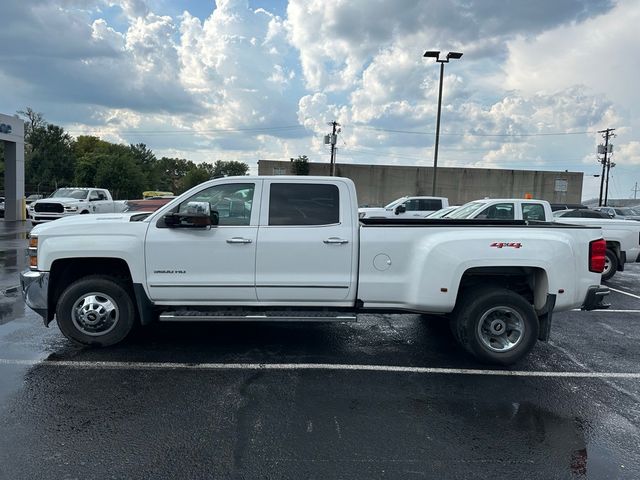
[(597, 255)]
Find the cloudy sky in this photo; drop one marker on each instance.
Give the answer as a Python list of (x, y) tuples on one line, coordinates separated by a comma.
[(252, 79)]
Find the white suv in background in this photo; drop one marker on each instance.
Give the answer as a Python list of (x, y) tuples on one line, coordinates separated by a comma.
[(406, 207)]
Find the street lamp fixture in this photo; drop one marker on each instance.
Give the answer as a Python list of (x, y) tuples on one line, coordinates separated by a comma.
[(436, 54)]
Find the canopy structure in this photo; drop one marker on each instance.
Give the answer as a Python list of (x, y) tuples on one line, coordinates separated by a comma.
[(12, 134)]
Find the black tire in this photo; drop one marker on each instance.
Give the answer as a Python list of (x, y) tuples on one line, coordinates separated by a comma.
[(612, 258), (502, 309), (84, 212), (97, 324)]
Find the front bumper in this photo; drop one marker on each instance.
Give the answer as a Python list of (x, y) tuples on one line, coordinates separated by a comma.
[(48, 217), (594, 299), (35, 288)]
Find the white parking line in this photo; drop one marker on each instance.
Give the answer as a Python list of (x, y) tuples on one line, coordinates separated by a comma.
[(610, 310), (625, 293), (84, 365)]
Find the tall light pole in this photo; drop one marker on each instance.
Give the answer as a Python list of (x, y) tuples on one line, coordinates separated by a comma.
[(436, 55)]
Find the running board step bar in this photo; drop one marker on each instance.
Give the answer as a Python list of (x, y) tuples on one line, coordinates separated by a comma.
[(199, 316)]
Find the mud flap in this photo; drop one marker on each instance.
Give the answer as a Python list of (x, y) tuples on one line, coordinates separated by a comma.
[(544, 318)]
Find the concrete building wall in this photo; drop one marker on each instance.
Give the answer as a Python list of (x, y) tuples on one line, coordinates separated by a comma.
[(380, 184), (12, 134)]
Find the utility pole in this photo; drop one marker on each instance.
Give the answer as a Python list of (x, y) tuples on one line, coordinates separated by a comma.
[(332, 139), (635, 191), (436, 54), (606, 134), (610, 165)]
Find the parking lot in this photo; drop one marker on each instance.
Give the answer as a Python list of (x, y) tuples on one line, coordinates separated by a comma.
[(386, 397)]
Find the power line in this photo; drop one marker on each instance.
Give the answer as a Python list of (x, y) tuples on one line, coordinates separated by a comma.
[(187, 132), (297, 127), (451, 162), (413, 132)]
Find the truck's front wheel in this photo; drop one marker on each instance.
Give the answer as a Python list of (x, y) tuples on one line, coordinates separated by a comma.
[(96, 311), (496, 325)]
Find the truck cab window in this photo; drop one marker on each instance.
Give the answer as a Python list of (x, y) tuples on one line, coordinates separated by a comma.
[(499, 211), (533, 211), (429, 204), (412, 205), (303, 204), (232, 201)]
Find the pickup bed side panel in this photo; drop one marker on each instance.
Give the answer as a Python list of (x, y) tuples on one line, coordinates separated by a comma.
[(420, 268), (626, 233)]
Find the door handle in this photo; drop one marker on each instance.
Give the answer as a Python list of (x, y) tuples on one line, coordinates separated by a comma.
[(239, 240), (335, 240)]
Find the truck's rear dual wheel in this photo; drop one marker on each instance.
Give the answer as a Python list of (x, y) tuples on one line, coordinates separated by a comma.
[(610, 265), (494, 324), (95, 310)]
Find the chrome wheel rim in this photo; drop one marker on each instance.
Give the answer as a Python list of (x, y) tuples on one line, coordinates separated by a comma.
[(501, 329), (95, 314), (607, 265)]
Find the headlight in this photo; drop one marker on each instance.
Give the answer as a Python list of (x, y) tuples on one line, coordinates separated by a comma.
[(70, 208), (33, 252)]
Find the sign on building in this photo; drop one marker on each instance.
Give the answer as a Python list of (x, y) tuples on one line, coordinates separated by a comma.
[(562, 185)]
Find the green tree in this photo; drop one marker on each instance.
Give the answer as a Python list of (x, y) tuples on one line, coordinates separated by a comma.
[(89, 152), (33, 121), (170, 173), (50, 161), (147, 162), (194, 177), (87, 144), (300, 165), (118, 171), (229, 168)]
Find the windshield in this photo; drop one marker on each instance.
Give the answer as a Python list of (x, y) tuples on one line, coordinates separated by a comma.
[(70, 193), (445, 212), (396, 202), (467, 210)]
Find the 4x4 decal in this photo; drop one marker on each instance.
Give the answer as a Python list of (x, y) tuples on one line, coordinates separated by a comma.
[(506, 244)]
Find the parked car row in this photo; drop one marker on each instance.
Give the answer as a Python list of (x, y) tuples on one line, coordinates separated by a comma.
[(405, 207)]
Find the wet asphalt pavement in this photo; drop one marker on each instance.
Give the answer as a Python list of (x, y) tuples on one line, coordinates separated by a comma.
[(161, 405)]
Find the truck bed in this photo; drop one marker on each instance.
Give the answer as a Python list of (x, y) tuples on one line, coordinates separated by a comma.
[(463, 222)]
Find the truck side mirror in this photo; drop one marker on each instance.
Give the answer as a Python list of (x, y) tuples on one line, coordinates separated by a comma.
[(400, 209), (196, 215)]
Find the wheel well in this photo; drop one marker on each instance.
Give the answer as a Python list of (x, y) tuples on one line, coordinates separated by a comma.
[(530, 282), (615, 247), (67, 270)]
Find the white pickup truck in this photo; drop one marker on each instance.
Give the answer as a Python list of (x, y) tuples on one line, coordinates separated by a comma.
[(292, 249), (622, 236), (72, 201), (406, 207)]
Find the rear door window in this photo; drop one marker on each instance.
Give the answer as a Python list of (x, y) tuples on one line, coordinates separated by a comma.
[(304, 204), (427, 204), (532, 211), (499, 211)]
